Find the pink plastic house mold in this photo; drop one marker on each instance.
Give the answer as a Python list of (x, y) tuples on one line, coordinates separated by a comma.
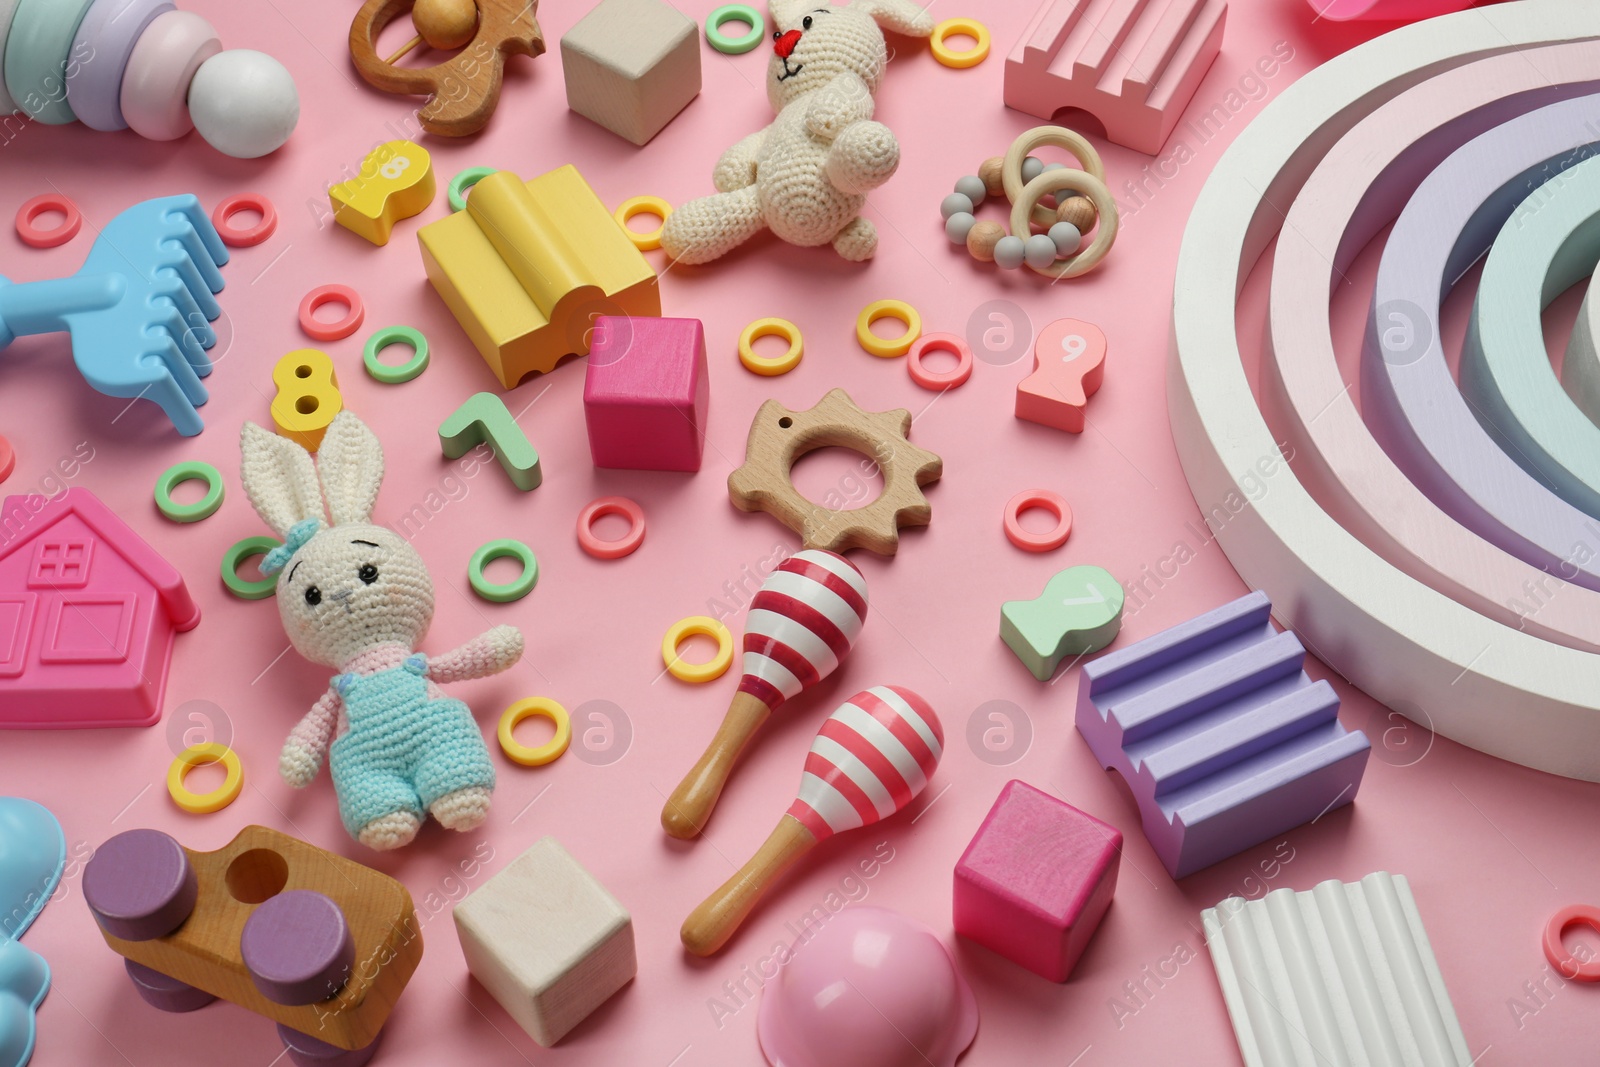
[(87, 615), (1133, 64), (646, 393), (1036, 880)]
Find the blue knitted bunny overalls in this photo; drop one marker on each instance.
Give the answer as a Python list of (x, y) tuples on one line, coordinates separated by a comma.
[(404, 749)]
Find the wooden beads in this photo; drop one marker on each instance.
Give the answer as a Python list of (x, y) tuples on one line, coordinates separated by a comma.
[(990, 172), (1079, 211), (308, 397), (982, 238), (445, 24)]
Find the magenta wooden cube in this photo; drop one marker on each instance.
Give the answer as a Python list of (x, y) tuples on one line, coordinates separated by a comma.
[(646, 395), (1036, 880)]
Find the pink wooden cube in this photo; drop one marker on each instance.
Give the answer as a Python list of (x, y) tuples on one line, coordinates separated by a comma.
[(1036, 880), (646, 394)]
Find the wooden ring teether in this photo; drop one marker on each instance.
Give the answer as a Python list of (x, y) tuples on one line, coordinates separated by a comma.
[(1078, 181), (464, 89), (779, 437), (1041, 137)]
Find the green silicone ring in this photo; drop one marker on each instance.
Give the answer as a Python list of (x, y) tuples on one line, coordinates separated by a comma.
[(503, 594), (38, 51), (186, 472), (727, 13), (464, 181), (406, 371), (259, 589)]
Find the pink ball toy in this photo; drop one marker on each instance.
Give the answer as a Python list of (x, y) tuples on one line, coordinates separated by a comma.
[(871, 988)]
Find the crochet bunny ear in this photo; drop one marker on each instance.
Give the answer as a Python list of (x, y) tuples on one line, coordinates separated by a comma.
[(900, 16), (351, 464), (786, 12), (278, 478)]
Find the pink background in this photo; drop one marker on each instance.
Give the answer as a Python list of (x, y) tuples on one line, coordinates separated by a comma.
[(1490, 848)]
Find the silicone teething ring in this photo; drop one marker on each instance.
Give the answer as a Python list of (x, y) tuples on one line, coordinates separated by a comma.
[(1038, 542), (545, 708), (888, 347), (200, 756), (33, 236), (703, 626), (189, 472), (956, 28)]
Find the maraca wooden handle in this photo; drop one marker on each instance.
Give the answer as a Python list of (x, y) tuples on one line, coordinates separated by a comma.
[(689, 807), (710, 925)]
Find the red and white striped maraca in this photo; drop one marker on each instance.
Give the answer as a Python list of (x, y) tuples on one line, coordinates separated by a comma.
[(870, 759), (803, 622)]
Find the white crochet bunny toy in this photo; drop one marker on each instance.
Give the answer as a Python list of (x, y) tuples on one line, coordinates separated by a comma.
[(807, 175), (355, 597)]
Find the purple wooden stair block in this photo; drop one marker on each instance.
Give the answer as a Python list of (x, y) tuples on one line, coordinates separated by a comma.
[(1219, 733)]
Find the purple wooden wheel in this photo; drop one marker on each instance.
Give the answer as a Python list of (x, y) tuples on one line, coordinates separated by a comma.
[(139, 885), (164, 992), (297, 947), (307, 1051)]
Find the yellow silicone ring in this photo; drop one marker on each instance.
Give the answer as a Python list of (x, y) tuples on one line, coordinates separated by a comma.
[(200, 756), (525, 709), (888, 347), (770, 328), (960, 27), (705, 626), (643, 205)]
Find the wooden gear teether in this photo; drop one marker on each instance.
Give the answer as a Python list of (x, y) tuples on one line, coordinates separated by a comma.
[(779, 437), (464, 89)]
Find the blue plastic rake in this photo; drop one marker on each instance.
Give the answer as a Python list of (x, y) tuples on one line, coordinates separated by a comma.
[(138, 310)]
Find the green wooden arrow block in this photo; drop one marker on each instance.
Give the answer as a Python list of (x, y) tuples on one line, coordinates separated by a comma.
[(484, 419)]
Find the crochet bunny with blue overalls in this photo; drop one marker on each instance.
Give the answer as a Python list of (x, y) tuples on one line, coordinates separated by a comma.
[(355, 597)]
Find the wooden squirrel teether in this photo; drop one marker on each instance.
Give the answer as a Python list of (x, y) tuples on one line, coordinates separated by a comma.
[(464, 89)]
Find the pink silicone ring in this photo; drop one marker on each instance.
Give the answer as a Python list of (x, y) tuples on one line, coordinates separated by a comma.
[(611, 505), (237, 237), (8, 459), (1555, 950), (107, 35), (155, 86), (329, 294), (34, 237), (939, 342), (1055, 537)]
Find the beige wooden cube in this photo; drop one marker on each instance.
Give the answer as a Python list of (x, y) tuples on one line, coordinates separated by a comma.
[(547, 940), (631, 66)]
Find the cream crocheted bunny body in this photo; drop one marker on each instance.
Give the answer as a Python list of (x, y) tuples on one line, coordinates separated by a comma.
[(807, 175), (355, 597)]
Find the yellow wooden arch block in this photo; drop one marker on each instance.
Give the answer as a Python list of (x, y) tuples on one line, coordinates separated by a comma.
[(527, 268)]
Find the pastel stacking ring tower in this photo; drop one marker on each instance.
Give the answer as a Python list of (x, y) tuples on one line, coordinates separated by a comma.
[(144, 65), (802, 624), (872, 757)]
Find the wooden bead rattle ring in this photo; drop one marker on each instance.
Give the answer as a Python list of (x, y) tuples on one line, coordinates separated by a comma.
[(779, 437), (464, 89), (1057, 252)]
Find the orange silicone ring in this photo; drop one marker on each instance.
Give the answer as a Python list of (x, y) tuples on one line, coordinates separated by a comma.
[(611, 505), (244, 236), (939, 342), (1555, 950), (331, 331), (33, 236), (1038, 542)]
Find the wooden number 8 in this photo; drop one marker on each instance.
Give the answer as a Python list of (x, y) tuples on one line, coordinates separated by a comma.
[(308, 396)]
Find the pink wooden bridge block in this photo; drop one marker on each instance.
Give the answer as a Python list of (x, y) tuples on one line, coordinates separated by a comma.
[(1133, 64), (1036, 880), (646, 395)]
